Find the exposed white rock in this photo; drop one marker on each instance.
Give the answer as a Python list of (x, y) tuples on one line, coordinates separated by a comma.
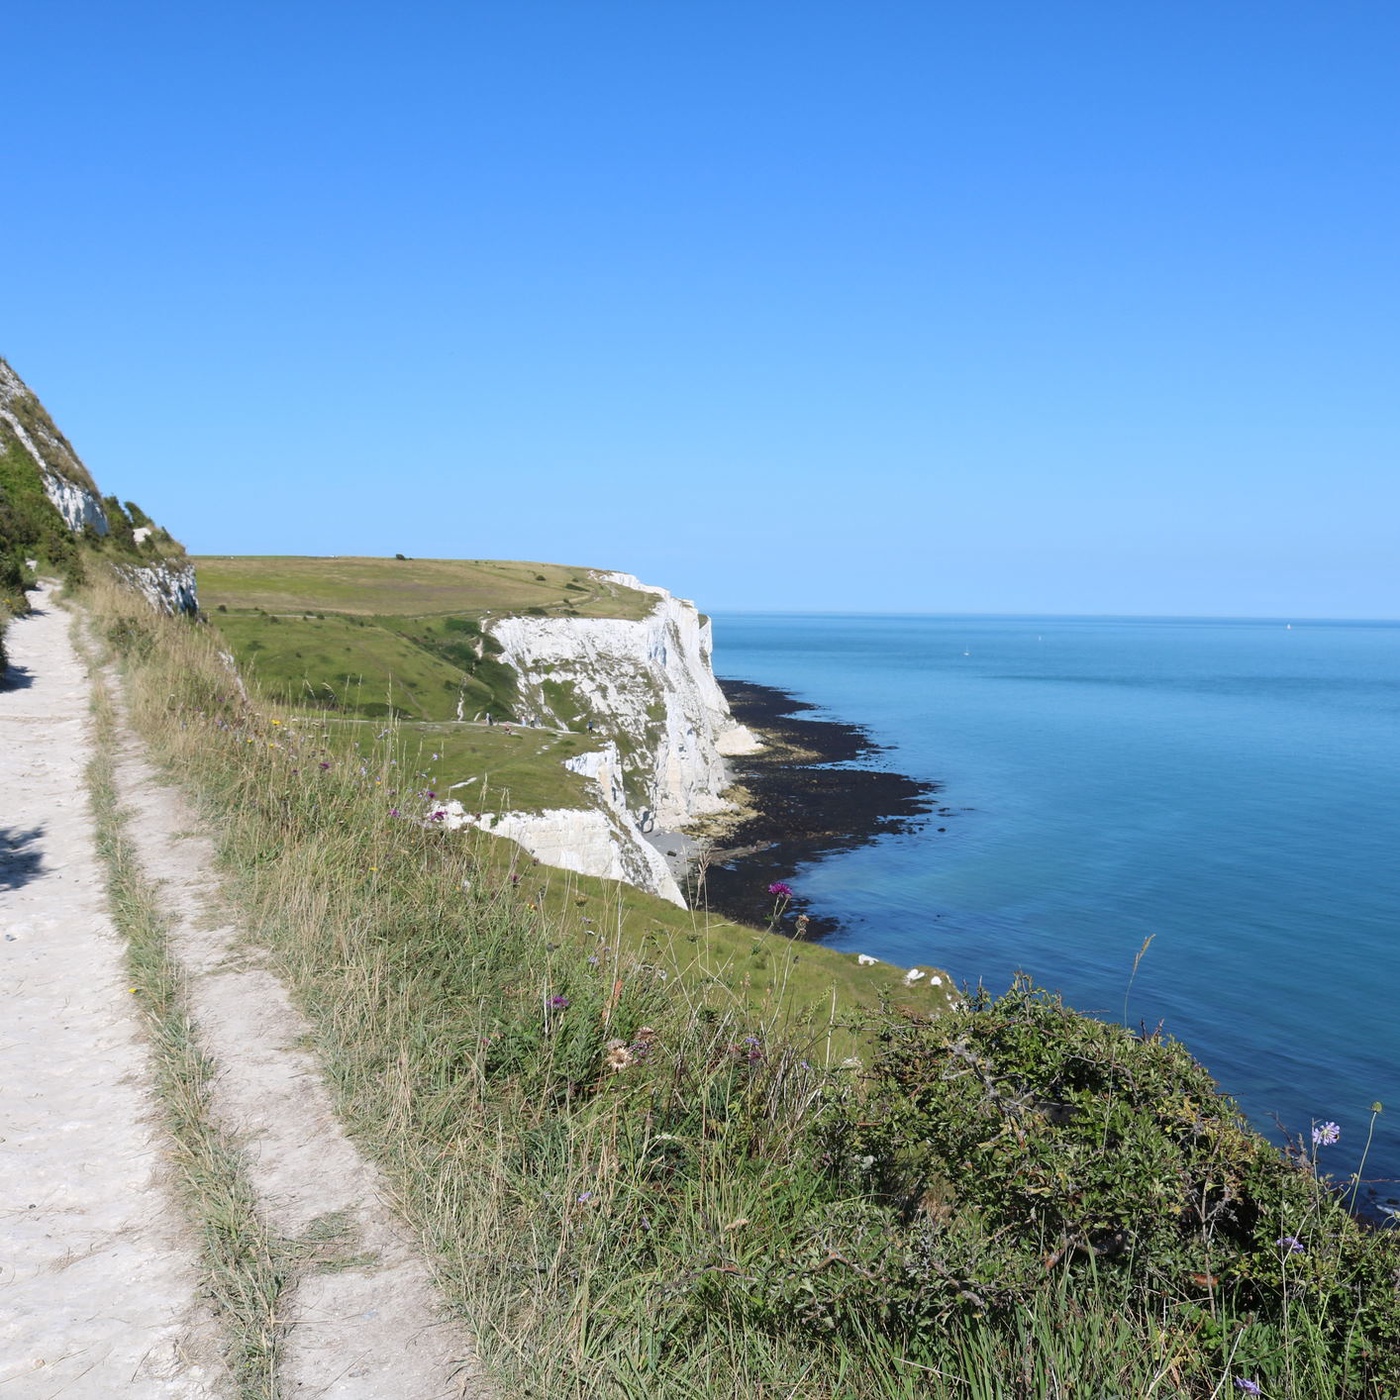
[(66, 481), (588, 840), (645, 684), (77, 505), (169, 588)]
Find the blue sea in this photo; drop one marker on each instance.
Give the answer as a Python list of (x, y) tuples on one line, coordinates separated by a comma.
[(1228, 789)]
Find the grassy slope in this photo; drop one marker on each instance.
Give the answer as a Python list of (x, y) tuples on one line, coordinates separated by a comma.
[(732, 1213), (725, 1216), (410, 587)]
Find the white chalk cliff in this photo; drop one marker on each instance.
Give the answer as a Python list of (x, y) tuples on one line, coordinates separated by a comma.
[(645, 687), (67, 483)]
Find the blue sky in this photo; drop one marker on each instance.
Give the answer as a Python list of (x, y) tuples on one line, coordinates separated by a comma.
[(1081, 307)]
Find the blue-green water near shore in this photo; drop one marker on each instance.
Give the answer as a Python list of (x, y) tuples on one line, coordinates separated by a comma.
[(1230, 788)]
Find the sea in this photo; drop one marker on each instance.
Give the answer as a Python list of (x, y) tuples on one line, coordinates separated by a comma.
[(1184, 822)]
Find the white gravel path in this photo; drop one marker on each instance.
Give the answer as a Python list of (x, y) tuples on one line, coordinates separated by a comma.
[(97, 1278)]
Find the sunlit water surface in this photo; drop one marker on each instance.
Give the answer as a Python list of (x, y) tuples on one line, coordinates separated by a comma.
[(1230, 788)]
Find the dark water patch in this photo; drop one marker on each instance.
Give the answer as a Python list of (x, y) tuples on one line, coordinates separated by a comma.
[(811, 800)]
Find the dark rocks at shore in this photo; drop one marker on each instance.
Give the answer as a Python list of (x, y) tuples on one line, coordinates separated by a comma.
[(808, 802)]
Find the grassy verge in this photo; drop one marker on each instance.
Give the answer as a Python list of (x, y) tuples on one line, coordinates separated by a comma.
[(245, 1269), (659, 1157)]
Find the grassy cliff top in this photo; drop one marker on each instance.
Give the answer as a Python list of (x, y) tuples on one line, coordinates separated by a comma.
[(411, 587)]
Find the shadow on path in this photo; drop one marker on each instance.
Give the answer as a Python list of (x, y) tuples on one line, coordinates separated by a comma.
[(21, 857)]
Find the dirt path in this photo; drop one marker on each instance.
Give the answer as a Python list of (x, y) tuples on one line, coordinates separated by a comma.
[(98, 1291), (361, 1320)]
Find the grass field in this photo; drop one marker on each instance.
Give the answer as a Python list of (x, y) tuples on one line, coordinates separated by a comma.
[(410, 587)]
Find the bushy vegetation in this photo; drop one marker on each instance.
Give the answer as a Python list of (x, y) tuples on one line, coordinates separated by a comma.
[(31, 527), (648, 1166)]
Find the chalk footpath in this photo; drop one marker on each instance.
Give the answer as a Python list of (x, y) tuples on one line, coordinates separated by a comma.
[(97, 1279), (99, 1287)]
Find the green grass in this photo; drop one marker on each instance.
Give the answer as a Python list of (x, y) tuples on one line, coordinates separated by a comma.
[(346, 663), (410, 587)]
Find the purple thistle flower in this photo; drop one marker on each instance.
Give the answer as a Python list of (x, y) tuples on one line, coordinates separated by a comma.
[(558, 1002), (1325, 1134), (781, 890), (1248, 1387), (1290, 1244)]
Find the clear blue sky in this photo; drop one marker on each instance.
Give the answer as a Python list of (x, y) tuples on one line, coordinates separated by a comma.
[(1053, 307)]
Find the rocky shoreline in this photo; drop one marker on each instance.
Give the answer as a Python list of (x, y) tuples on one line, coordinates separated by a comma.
[(808, 794)]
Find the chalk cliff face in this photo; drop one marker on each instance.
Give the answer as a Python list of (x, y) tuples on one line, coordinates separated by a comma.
[(645, 687), (169, 588), (67, 482)]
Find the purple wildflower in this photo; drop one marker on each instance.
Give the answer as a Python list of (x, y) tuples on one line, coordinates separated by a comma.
[(558, 1002), (1325, 1134), (780, 890), (1248, 1387)]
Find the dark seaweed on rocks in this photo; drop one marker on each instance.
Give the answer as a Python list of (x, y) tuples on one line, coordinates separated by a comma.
[(809, 803)]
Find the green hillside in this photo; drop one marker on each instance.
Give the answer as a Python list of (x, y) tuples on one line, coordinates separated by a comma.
[(31, 526)]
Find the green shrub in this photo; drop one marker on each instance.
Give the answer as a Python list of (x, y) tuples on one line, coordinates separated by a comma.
[(1018, 1138)]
